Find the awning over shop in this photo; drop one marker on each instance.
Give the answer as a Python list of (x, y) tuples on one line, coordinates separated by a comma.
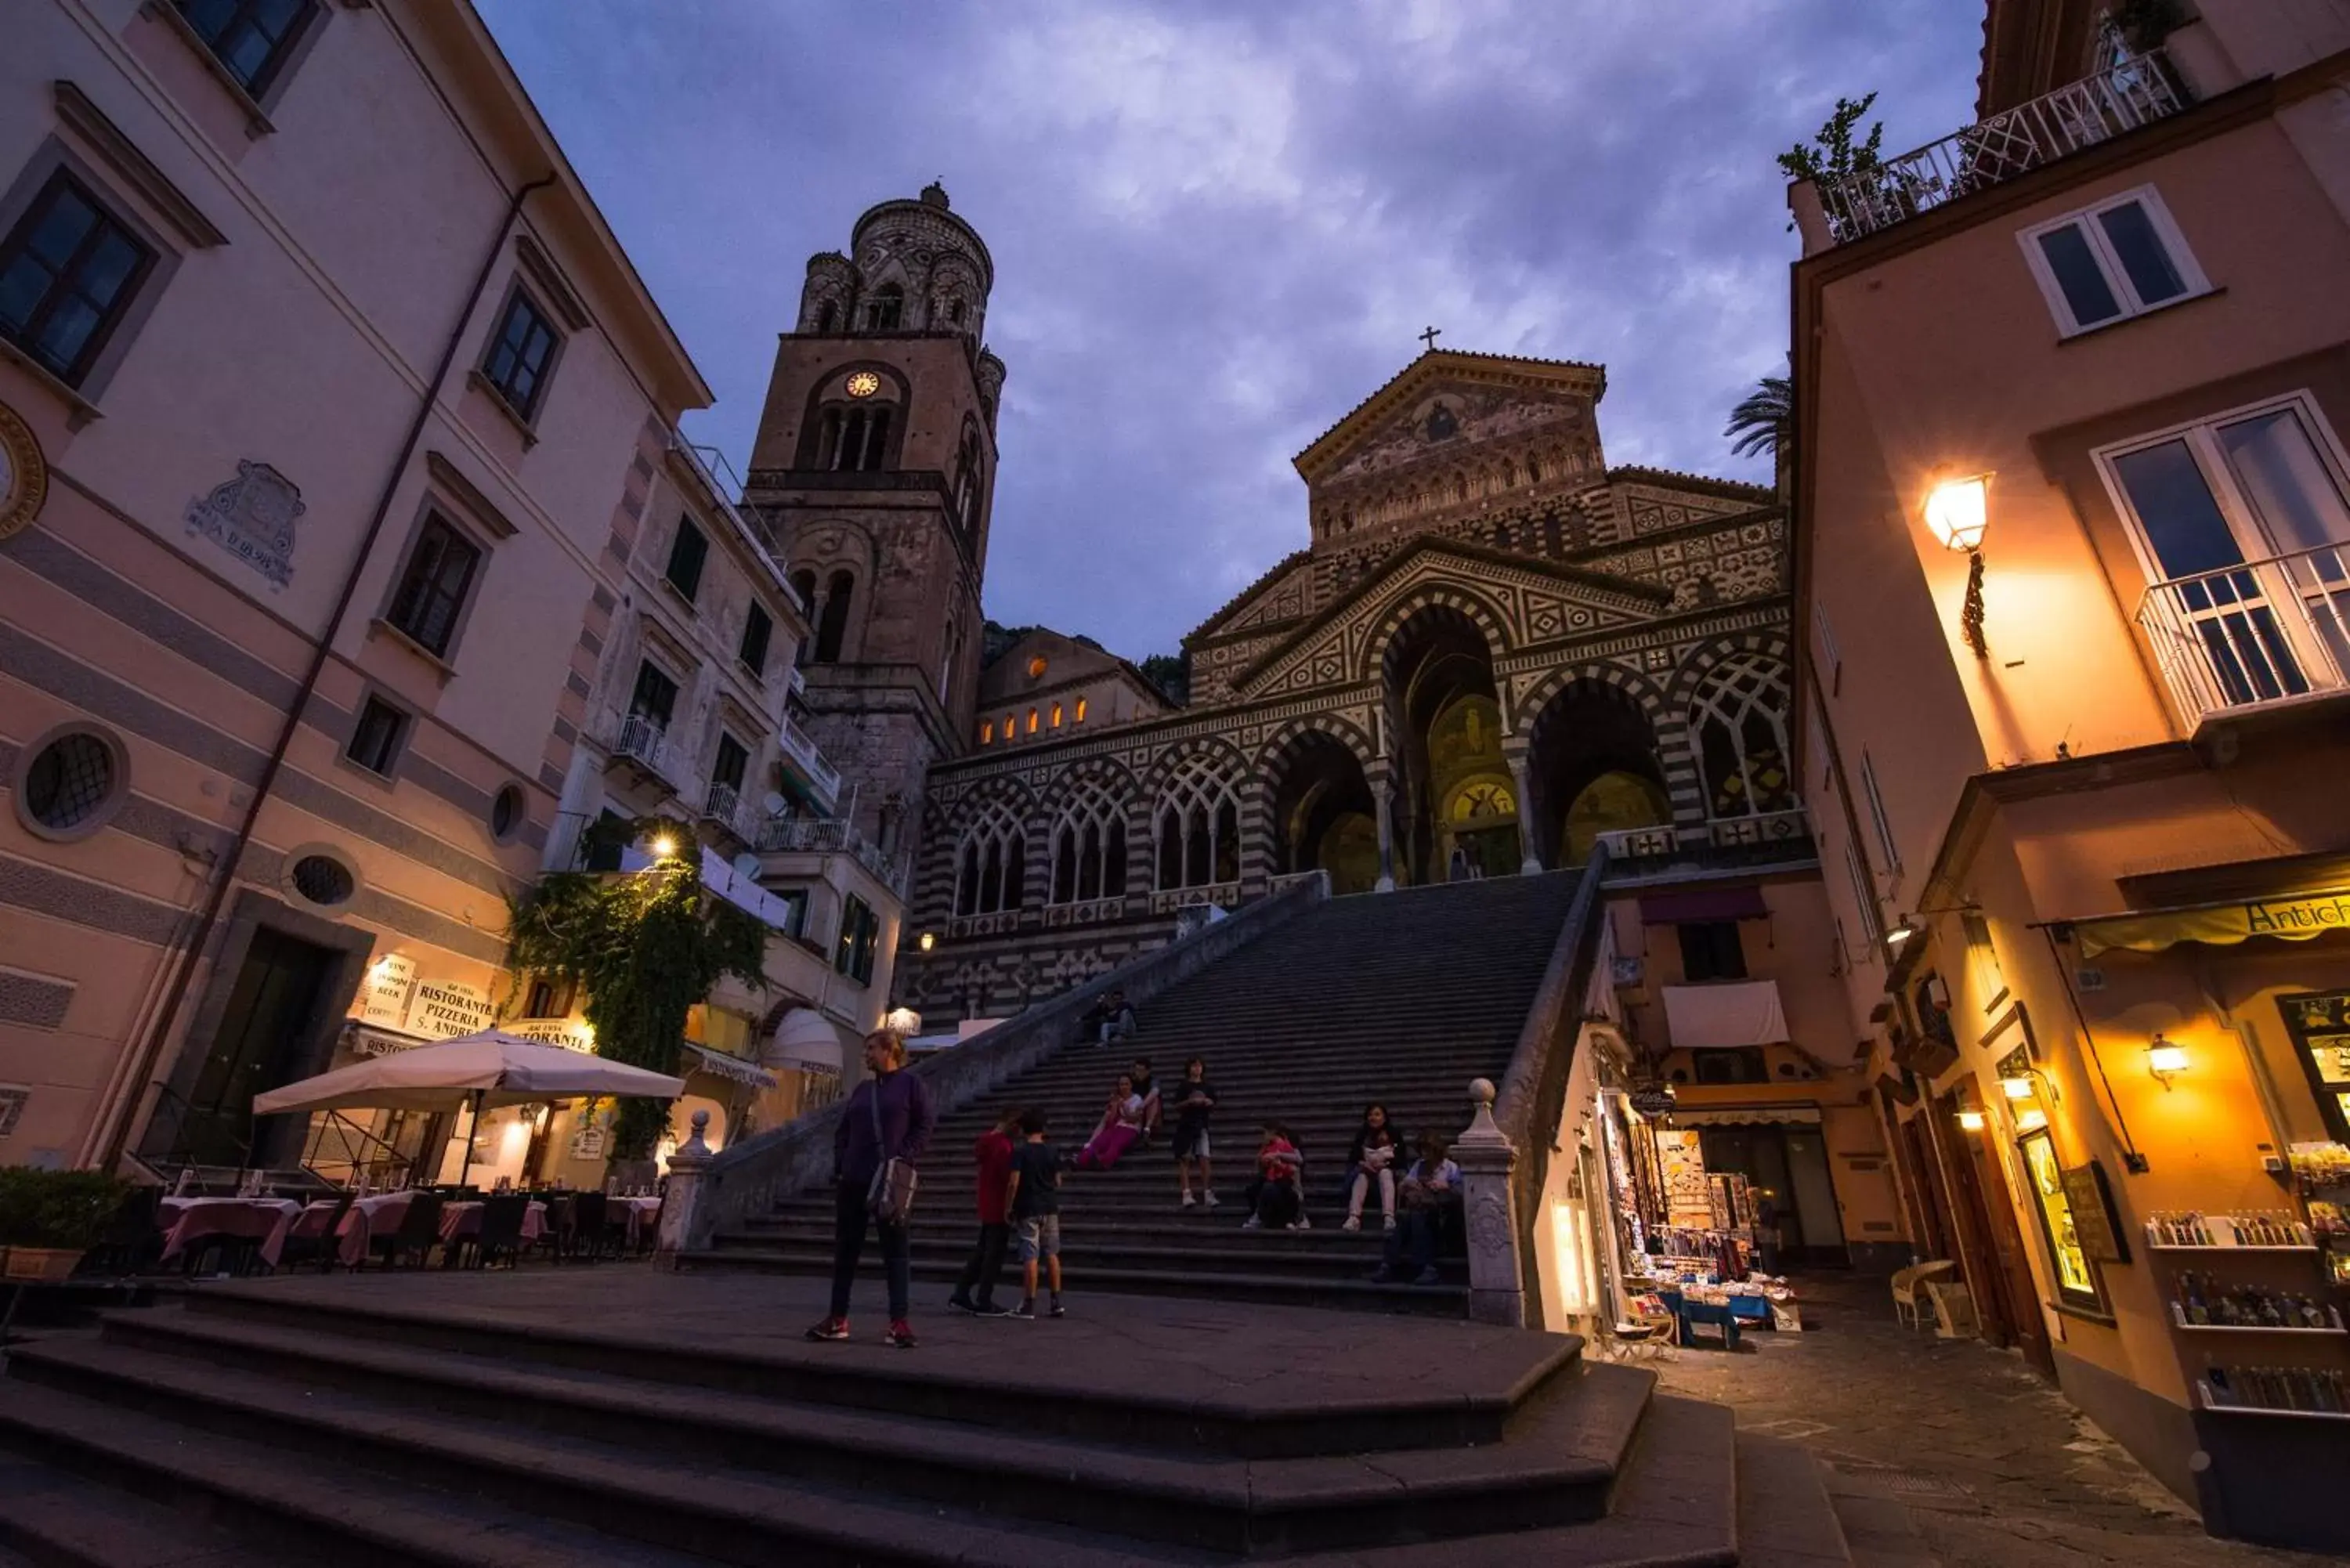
[(2221, 925), (1744, 1012), (1746, 1117), (1695, 904), (806, 1039), (719, 1065)]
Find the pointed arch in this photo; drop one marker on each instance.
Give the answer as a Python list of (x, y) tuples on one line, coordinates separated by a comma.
[(1738, 709), (1196, 819), (1432, 592), (992, 862)]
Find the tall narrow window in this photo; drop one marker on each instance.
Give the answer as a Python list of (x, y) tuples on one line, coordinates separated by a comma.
[(1056, 715), (68, 273), (1738, 715), (987, 731), (1032, 721), (519, 355), (251, 39), (1711, 951), (1090, 848), (993, 866), (375, 739), (1872, 922), (688, 554), (654, 696), (732, 760), (832, 626), (1877, 812), (884, 310), (758, 629), (1198, 827), (432, 589), (827, 317), (1081, 709)]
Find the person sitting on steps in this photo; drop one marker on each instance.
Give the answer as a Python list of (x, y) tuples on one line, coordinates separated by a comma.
[(1120, 1124), (1428, 1192), (1110, 1018), (1276, 1198), (1140, 1074), (1195, 1097), (1371, 1162)]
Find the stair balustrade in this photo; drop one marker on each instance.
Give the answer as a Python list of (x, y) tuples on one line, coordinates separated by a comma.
[(748, 1178)]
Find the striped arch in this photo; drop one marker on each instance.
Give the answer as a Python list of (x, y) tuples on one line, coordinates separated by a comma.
[(1269, 756), (1266, 779), (1700, 659), (1153, 779), (1667, 739), (1434, 594), (1652, 699)]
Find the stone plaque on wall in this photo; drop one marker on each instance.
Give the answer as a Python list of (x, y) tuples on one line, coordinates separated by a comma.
[(384, 996), (446, 1008), (251, 517)]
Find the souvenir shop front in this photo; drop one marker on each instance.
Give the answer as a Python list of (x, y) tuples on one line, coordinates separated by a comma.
[(1690, 1268)]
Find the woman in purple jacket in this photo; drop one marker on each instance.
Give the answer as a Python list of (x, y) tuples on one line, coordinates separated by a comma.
[(863, 1142)]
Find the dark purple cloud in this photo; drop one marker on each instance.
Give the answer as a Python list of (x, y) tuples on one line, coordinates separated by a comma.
[(1218, 225)]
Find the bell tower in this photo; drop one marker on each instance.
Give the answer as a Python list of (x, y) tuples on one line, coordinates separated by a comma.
[(874, 469)]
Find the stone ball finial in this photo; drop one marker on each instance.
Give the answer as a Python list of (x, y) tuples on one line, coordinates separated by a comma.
[(934, 194), (1481, 1090), (702, 1122)]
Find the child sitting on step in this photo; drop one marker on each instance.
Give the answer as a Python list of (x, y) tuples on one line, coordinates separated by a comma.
[(1122, 1124), (1276, 1198)]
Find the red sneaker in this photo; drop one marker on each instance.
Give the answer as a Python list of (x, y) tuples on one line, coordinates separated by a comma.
[(901, 1335), (830, 1328)]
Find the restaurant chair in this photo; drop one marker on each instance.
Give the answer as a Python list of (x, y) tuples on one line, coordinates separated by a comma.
[(1911, 1306), (552, 1240), (588, 1213), (324, 1247), (501, 1231), (134, 1241), (419, 1231)]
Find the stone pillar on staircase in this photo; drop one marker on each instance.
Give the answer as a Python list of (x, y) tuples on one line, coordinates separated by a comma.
[(1497, 1291), (677, 1215), (1383, 792), (1530, 864)]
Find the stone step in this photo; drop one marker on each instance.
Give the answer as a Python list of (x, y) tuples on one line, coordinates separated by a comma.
[(288, 1506), (1784, 1517), (1327, 1286), (57, 1519), (1081, 1254), (1555, 1467), (1160, 1223)]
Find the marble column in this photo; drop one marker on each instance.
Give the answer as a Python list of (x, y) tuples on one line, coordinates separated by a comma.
[(1531, 862), (1383, 793), (1497, 1291)]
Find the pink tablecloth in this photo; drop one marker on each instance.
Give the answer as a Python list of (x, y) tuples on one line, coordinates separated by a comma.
[(362, 1222), (634, 1212), (188, 1220)]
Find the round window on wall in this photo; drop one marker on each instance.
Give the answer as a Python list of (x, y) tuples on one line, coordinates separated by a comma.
[(507, 814), (322, 880), (73, 781)]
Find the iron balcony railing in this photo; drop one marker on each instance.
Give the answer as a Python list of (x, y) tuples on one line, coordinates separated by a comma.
[(832, 835), (723, 805), (639, 740), (814, 771), (1762, 836), (2121, 98), (2252, 635)]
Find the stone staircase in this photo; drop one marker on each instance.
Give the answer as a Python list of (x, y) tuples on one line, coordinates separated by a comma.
[(624, 1416), (1401, 998)]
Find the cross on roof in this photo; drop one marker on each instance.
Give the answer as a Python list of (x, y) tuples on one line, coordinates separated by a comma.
[(1429, 338)]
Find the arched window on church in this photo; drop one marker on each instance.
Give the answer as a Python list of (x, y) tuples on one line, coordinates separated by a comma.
[(987, 731), (1738, 717), (1198, 828), (853, 439), (1089, 849), (828, 317), (885, 309), (832, 625), (967, 486), (991, 867), (1081, 709)]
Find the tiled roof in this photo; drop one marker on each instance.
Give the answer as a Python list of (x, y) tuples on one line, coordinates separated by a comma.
[(1737, 487)]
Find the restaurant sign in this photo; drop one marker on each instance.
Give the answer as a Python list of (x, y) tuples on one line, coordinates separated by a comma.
[(444, 1009), (384, 996), (2224, 925)]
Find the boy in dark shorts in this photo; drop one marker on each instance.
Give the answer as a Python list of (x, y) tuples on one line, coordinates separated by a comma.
[(1036, 1212), (1194, 1097)]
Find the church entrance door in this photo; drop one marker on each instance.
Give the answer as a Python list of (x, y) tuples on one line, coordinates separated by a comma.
[(1453, 786)]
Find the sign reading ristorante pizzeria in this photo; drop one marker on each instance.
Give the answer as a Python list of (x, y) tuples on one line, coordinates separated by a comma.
[(444, 1009), (2293, 919)]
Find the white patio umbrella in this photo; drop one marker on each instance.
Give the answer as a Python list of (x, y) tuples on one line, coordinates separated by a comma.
[(485, 1070)]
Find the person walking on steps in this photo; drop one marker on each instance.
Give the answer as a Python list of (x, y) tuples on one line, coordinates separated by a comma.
[(1195, 1097), (974, 1292), (1371, 1162), (1036, 1202), (889, 1119)]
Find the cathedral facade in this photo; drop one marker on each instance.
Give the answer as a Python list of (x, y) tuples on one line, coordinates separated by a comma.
[(1492, 648)]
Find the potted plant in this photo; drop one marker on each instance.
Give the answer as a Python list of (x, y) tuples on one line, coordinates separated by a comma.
[(48, 1219)]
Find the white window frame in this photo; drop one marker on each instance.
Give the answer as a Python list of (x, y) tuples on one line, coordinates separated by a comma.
[(1872, 923), (2201, 437), (1830, 655), (2166, 229), (1877, 815)]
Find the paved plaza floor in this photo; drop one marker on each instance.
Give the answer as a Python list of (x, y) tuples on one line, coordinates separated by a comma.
[(1950, 1448)]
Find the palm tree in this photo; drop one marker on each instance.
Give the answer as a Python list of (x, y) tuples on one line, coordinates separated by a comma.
[(1764, 419)]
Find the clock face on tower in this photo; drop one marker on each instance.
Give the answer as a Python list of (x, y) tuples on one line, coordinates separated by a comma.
[(864, 384)]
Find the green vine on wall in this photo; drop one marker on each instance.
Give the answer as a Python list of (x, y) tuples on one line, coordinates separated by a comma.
[(645, 947)]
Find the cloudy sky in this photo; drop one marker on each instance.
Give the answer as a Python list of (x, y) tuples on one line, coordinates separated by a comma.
[(1217, 225)]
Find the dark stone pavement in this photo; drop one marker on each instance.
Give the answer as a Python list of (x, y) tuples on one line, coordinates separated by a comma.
[(1949, 1450)]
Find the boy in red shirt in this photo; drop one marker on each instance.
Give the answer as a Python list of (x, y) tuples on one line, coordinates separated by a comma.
[(994, 1157)]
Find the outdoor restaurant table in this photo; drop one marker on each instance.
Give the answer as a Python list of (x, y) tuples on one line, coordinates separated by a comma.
[(365, 1217), (638, 1211), (187, 1220), (461, 1220)]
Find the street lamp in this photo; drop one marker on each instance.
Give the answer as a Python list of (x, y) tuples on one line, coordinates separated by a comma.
[(2163, 1060), (664, 847), (1958, 511)]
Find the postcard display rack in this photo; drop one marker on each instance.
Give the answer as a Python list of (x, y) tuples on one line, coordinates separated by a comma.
[(2260, 1309)]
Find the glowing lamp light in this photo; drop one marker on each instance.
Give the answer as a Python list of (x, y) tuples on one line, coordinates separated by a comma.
[(904, 1021), (1959, 510), (929, 940), (1971, 1120), (1903, 929), (664, 847), (2032, 1120), (2165, 1060), (2016, 1088)]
